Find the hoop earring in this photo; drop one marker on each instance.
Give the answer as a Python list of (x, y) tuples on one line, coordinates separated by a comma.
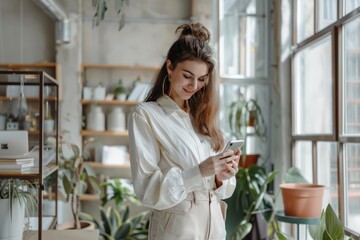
[(163, 85)]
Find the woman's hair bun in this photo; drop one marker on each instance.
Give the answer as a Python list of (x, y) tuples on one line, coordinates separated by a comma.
[(197, 30)]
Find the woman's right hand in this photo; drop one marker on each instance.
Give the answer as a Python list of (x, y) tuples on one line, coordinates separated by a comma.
[(216, 164)]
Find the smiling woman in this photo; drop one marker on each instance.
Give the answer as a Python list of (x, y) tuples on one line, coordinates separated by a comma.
[(177, 163)]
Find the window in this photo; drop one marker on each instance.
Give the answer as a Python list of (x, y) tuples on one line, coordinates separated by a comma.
[(326, 102), (243, 38)]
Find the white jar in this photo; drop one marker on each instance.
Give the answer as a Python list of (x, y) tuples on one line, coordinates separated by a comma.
[(116, 120), (99, 93), (95, 119)]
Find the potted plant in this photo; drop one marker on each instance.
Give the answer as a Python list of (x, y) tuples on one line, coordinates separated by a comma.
[(253, 205), (300, 198), (115, 221), (75, 175), (15, 198), (246, 119), (120, 91)]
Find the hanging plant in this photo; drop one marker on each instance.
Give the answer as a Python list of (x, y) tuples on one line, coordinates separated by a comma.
[(101, 8)]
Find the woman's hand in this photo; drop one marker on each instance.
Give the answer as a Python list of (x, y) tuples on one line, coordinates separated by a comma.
[(231, 168), (223, 164)]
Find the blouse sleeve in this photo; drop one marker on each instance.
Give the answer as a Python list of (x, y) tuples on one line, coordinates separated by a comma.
[(156, 188)]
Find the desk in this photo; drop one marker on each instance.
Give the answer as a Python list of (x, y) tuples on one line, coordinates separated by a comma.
[(280, 216)]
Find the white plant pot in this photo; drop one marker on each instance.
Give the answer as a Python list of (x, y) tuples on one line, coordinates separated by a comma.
[(11, 228)]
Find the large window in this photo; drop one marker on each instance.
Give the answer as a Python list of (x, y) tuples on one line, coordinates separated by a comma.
[(326, 102), (243, 38)]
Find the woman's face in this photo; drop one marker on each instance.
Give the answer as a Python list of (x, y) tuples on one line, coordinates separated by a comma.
[(186, 79)]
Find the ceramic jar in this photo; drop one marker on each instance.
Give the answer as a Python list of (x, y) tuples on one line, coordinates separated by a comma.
[(99, 92), (95, 119), (116, 120)]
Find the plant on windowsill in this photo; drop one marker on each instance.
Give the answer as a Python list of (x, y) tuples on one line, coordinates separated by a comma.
[(16, 196), (75, 175), (246, 119), (115, 221)]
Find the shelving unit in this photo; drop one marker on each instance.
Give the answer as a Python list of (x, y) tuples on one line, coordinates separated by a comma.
[(47, 86), (108, 75)]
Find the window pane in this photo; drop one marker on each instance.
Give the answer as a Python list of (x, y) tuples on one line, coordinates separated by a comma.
[(350, 5), (261, 93), (303, 159), (352, 198), (242, 39), (327, 13), (327, 164), (305, 19), (351, 101), (313, 89)]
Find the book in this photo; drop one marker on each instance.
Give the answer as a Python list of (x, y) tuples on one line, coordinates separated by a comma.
[(16, 165), (10, 159)]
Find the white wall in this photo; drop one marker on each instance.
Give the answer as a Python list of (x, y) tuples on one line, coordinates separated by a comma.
[(27, 34)]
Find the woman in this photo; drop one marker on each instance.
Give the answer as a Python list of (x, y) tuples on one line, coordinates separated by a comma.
[(174, 144)]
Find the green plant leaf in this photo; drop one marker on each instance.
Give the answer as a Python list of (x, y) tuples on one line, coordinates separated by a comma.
[(241, 231), (293, 175), (123, 231), (281, 236), (105, 220), (333, 225)]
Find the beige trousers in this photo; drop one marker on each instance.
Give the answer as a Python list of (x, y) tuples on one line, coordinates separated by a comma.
[(198, 217)]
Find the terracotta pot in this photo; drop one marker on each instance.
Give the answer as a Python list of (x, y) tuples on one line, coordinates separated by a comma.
[(84, 225), (251, 159), (302, 200)]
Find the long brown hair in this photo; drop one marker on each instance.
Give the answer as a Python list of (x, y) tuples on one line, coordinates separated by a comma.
[(193, 44)]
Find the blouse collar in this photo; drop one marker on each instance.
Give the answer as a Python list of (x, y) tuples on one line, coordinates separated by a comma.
[(170, 106)]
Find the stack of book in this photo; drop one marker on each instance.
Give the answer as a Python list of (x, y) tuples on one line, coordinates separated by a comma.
[(16, 164)]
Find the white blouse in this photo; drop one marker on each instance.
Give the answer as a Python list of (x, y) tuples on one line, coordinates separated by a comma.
[(165, 152)]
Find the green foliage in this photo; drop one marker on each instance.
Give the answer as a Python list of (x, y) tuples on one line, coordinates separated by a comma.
[(329, 227), (101, 8), (251, 187), (293, 175), (119, 89), (115, 222), (119, 194), (117, 225), (75, 174), (14, 189), (242, 113)]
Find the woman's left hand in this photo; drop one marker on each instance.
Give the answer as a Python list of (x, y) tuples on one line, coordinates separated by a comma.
[(231, 168)]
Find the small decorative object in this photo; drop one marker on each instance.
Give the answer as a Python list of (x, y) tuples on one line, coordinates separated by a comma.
[(99, 92), (116, 120), (87, 93), (95, 119), (120, 91), (49, 122), (12, 123), (114, 155)]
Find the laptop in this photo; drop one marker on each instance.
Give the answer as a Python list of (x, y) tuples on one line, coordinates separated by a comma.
[(13, 143)]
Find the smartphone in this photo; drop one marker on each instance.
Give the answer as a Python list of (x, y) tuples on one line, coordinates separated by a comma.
[(234, 145)]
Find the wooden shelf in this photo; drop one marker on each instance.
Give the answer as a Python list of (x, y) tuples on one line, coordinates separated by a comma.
[(97, 165), (35, 99), (15, 66), (120, 67), (109, 102), (89, 197), (104, 133)]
